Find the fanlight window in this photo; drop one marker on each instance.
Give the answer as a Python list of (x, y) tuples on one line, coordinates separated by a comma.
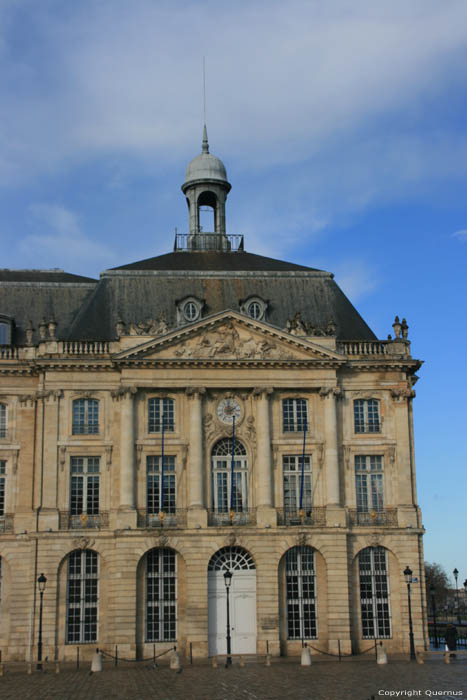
[(231, 559)]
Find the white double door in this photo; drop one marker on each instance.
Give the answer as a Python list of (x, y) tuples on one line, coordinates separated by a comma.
[(242, 596)]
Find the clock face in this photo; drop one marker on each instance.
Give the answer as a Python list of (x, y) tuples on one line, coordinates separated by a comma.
[(227, 409)]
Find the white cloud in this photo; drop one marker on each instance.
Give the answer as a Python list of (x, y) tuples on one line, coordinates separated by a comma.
[(462, 234), (59, 241), (356, 278)]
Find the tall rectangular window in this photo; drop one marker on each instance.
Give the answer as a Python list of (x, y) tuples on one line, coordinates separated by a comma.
[(366, 416), (293, 486), (82, 597), (301, 593), (84, 486), (369, 483), (154, 492), (374, 593), (2, 486), (161, 596), (158, 410), (3, 420), (85, 420), (294, 415)]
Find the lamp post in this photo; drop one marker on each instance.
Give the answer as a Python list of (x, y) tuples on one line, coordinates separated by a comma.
[(228, 581), (465, 596), (456, 574), (41, 581), (433, 607), (408, 580)]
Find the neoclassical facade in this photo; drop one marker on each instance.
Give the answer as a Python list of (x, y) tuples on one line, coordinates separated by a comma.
[(203, 411)]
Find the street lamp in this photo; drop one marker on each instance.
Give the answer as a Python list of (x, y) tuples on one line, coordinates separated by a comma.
[(433, 607), (408, 580), (456, 574), (228, 581), (41, 581)]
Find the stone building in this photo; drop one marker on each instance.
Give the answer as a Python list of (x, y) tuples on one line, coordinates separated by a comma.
[(203, 411)]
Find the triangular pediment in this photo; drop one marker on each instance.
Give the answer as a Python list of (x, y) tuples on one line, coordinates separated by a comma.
[(228, 336)]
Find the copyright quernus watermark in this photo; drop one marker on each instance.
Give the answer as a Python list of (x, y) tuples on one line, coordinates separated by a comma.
[(421, 693)]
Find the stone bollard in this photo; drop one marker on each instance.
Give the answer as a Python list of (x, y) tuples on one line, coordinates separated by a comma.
[(306, 656), (420, 657), (214, 661), (175, 661), (57, 667), (29, 669), (381, 656), (268, 659), (447, 657), (242, 661), (96, 662)]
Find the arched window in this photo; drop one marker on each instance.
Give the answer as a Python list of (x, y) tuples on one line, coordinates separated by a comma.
[(230, 486), (374, 593), (231, 559), (3, 420), (301, 593), (161, 596), (82, 597), (85, 419)]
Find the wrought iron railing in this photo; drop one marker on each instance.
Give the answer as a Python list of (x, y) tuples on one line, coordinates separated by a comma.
[(221, 518), (307, 516), (174, 518), (208, 241), (387, 516), (83, 521), (6, 523)]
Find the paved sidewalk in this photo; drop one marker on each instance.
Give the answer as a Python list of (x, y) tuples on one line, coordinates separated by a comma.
[(321, 681)]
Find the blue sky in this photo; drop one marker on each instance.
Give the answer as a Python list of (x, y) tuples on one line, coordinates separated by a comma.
[(344, 132)]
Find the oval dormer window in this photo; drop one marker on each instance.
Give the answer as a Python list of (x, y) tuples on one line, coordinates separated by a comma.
[(254, 310), (190, 311)]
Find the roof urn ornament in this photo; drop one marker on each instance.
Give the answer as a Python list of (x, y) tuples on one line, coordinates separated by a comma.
[(397, 328)]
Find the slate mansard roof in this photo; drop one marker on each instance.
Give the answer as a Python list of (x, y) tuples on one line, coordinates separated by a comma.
[(150, 289)]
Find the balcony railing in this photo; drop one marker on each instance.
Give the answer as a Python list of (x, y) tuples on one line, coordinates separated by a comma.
[(387, 517), (8, 352), (208, 241), (222, 518), (84, 347), (176, 518), (308, 516), (6, 523), (83, 521), (360, 347)]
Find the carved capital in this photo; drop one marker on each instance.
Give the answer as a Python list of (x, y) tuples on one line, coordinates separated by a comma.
[(399, 394), (260, 392), (195, 392), (28, 400), (123, 392), (62, 457), (230, 540), (326, 391)]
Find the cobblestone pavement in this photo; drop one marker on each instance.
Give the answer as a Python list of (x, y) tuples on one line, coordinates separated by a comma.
[(322, 681)]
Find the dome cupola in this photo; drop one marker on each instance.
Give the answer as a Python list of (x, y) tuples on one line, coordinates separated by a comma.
[(206, 185)]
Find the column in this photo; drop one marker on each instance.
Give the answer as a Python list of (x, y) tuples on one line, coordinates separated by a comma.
[(49, 406), (127, 515), (334, 516), (265, 511), (406, 494), (196, 504)]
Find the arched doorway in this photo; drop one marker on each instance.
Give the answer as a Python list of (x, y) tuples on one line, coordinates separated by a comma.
[(242, 600)]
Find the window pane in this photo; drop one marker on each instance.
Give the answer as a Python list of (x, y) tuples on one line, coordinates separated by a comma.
[(82, 597), (294, 414), (85, 419), (161, 595), (158, 409), (374, 593), (300, 592)]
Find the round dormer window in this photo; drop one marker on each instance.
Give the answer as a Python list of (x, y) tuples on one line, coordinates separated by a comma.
[(255, 310), (190, 311)]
